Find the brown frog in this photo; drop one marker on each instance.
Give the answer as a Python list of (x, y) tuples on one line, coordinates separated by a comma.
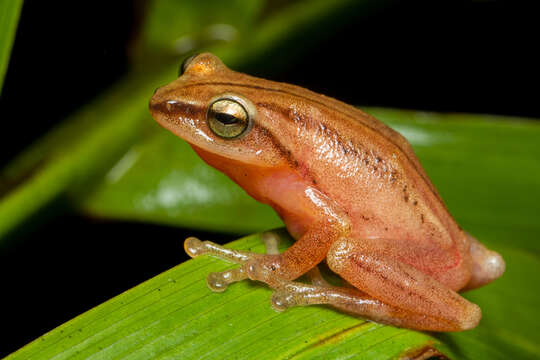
[(350, 190)]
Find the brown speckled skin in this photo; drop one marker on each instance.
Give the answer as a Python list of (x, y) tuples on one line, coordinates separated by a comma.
[(348, 188)]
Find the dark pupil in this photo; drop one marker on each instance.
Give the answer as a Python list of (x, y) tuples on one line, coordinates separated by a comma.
[(226, 119)]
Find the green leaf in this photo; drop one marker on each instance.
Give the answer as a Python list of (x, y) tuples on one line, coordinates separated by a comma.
[(175, 315), (173, 28), (9, 16), (73, 154)]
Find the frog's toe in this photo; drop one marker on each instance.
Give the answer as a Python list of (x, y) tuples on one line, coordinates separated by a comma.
[(219, 281), (195, 247), (292, 293), (266, 269), (271, 242), (282, 300)]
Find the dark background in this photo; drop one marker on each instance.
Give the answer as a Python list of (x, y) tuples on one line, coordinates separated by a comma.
[(457, 56)]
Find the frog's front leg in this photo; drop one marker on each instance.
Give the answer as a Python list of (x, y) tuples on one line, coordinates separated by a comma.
[(303, 255), (219, 281), (390, 291), (273, 269), (326, 224)]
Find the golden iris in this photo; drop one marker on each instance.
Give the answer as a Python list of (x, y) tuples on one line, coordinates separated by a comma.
[(227, 118)]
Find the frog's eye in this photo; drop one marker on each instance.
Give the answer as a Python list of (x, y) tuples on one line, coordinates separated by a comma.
[(227, 118), (185, 64)]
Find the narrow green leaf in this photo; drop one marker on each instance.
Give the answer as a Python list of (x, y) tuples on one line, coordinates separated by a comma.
[(175, 315), (74, 153), (9, 17)]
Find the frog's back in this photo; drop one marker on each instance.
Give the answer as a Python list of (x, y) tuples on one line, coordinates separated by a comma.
[(370, 170)]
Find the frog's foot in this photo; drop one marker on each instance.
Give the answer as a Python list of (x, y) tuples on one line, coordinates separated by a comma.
[(299, 294), (219, 281), (355, 302), (320, 292)]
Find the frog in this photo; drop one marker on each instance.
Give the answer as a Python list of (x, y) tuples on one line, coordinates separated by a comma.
[(349, 189)]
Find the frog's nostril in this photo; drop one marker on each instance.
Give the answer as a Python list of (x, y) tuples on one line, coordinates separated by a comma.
[(155, 91)]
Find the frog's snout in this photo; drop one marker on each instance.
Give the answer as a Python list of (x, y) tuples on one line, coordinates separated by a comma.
[(155, 105), (159, 105), (154, 100), (158, 108)]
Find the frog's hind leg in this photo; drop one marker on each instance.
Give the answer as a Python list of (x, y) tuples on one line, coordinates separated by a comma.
[(355, 302), (219, 281), (487, 265), (401, 287)]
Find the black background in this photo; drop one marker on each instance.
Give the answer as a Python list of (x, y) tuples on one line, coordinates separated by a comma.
[(458, 56)]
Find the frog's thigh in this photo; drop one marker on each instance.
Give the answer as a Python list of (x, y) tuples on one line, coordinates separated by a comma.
[(400, 285)]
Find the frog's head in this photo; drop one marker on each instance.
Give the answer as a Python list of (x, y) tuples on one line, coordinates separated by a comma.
[(217, 111)]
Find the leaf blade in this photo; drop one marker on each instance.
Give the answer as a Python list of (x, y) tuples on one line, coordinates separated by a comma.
[(9, 17), (175, 314)]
